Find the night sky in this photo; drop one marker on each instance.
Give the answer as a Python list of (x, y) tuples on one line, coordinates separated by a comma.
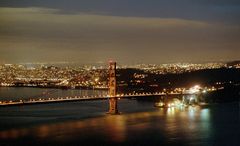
[(128, 31)]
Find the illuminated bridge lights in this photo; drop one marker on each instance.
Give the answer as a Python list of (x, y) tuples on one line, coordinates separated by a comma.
[(93, 97)]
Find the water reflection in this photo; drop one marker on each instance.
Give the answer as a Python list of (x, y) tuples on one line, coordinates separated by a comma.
[(113, 127), (117, 127), (185, 123), (165, 126), (205, 114)]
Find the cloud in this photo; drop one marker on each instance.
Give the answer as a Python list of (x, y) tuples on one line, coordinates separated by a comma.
[(224, 11), (47, 34), (48, 22)]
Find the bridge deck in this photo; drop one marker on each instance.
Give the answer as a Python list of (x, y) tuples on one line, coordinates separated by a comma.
[(80, 98)]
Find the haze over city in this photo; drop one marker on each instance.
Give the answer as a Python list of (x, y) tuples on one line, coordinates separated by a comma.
[(126, 31)]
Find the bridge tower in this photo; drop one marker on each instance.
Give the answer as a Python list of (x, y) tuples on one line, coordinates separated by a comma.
[(112, 88)]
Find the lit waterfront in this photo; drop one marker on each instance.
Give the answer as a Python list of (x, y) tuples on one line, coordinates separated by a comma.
[(140, 123)]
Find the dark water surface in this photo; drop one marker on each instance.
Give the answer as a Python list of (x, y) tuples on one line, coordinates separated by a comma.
[(85, 123)]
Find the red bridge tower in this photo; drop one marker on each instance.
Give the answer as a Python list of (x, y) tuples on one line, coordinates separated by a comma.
[(112, 89)]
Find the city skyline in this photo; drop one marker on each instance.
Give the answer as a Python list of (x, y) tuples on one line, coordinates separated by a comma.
[(125, 31)]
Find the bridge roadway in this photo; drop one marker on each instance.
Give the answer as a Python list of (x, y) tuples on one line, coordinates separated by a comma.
[(80, 98)]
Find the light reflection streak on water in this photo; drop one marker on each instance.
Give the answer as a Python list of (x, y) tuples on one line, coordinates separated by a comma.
[(186, 123), (205, 122)]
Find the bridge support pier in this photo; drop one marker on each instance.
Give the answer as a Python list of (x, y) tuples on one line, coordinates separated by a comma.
[(113, 109)]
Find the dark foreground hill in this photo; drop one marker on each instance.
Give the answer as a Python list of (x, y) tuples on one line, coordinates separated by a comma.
[(229, 78)]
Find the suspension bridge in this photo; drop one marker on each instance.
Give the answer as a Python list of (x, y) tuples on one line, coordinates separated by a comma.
[(80, 98), (112, 95)]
